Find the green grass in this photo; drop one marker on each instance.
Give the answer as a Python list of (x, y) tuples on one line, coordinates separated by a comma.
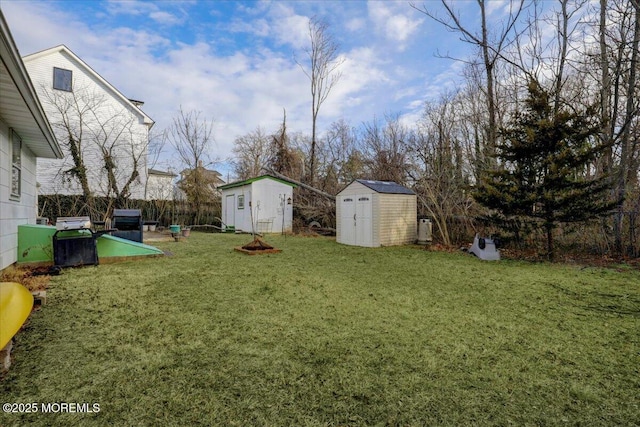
[(326, 334)]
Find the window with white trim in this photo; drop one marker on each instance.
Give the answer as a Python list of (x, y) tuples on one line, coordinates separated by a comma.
[(241, 201), (16, 165)]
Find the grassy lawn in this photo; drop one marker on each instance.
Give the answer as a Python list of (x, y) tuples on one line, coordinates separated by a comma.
[(325, 334)]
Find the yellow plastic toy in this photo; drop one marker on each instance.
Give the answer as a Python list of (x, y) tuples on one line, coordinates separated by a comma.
[(16, 303)]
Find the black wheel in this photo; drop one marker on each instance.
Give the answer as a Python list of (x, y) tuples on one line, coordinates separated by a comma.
[(482, 243)]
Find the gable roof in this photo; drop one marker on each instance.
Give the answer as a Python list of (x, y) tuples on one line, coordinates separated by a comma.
[(385, 187), (19, 104), (62, 49), (257, 178)]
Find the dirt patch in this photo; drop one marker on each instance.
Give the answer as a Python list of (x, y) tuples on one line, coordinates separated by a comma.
[(32, 278), (257, 246), (156, 236)]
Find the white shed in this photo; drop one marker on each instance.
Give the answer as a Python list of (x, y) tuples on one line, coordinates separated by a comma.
[(376, 213), (265, 199)]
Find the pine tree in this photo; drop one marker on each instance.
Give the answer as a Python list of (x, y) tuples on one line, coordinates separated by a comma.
[(545, 158)]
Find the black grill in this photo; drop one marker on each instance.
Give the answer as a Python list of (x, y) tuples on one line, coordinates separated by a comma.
[(128, 224), (74, 244), (74, 248)]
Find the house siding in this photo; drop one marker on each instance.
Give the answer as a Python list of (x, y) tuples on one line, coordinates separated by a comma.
[(159, 187), (14, 212), (51, 172), (397, 220)]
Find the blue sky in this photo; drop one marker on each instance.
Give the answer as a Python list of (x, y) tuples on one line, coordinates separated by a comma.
[(235, 60)]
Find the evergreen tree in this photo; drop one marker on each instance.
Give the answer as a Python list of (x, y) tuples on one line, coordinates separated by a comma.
[(545, 174)]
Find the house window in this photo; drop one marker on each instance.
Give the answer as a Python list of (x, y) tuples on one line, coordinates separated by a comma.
[(241, 201), (62, 79), (16, 164)]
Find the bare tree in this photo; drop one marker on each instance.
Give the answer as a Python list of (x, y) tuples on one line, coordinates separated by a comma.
[(118, 142), (322, 69), (157, 143), (385, 149), (611, 69), (491, 49), (628, 142), (105, 145), (69, 121), (439, 172), (192, 136), (342, 161), (251, 153)]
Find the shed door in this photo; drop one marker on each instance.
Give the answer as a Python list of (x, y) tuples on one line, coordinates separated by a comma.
[(356, 220), (364, 224), (229, 210), (348, 220)]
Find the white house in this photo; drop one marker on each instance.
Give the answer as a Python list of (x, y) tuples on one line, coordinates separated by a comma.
[(376, 213), (25, 134), (108, 121), (265, 200), (160, 185)]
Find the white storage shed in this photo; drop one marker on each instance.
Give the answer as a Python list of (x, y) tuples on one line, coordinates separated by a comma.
[(376, 213), (265, 199)]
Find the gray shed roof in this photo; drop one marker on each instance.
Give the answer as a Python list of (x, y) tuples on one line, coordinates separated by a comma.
[(387, 187)]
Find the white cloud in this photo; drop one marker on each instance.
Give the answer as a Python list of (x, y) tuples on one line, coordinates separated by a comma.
[(279, 22), (243, 87), (288, 27), (444, 81), (395, 24), (165, 18), (499, 6), (149, 9), (37, 26), (259, 27), (131, 7), (355, 24)]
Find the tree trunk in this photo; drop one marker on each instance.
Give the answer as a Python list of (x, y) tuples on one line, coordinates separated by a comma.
[(625, 139), (549, 230)]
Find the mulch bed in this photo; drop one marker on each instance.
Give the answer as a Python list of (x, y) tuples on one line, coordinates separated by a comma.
[(257, 247)]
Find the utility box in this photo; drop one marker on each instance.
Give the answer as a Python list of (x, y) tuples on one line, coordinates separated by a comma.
[(425, 231)]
